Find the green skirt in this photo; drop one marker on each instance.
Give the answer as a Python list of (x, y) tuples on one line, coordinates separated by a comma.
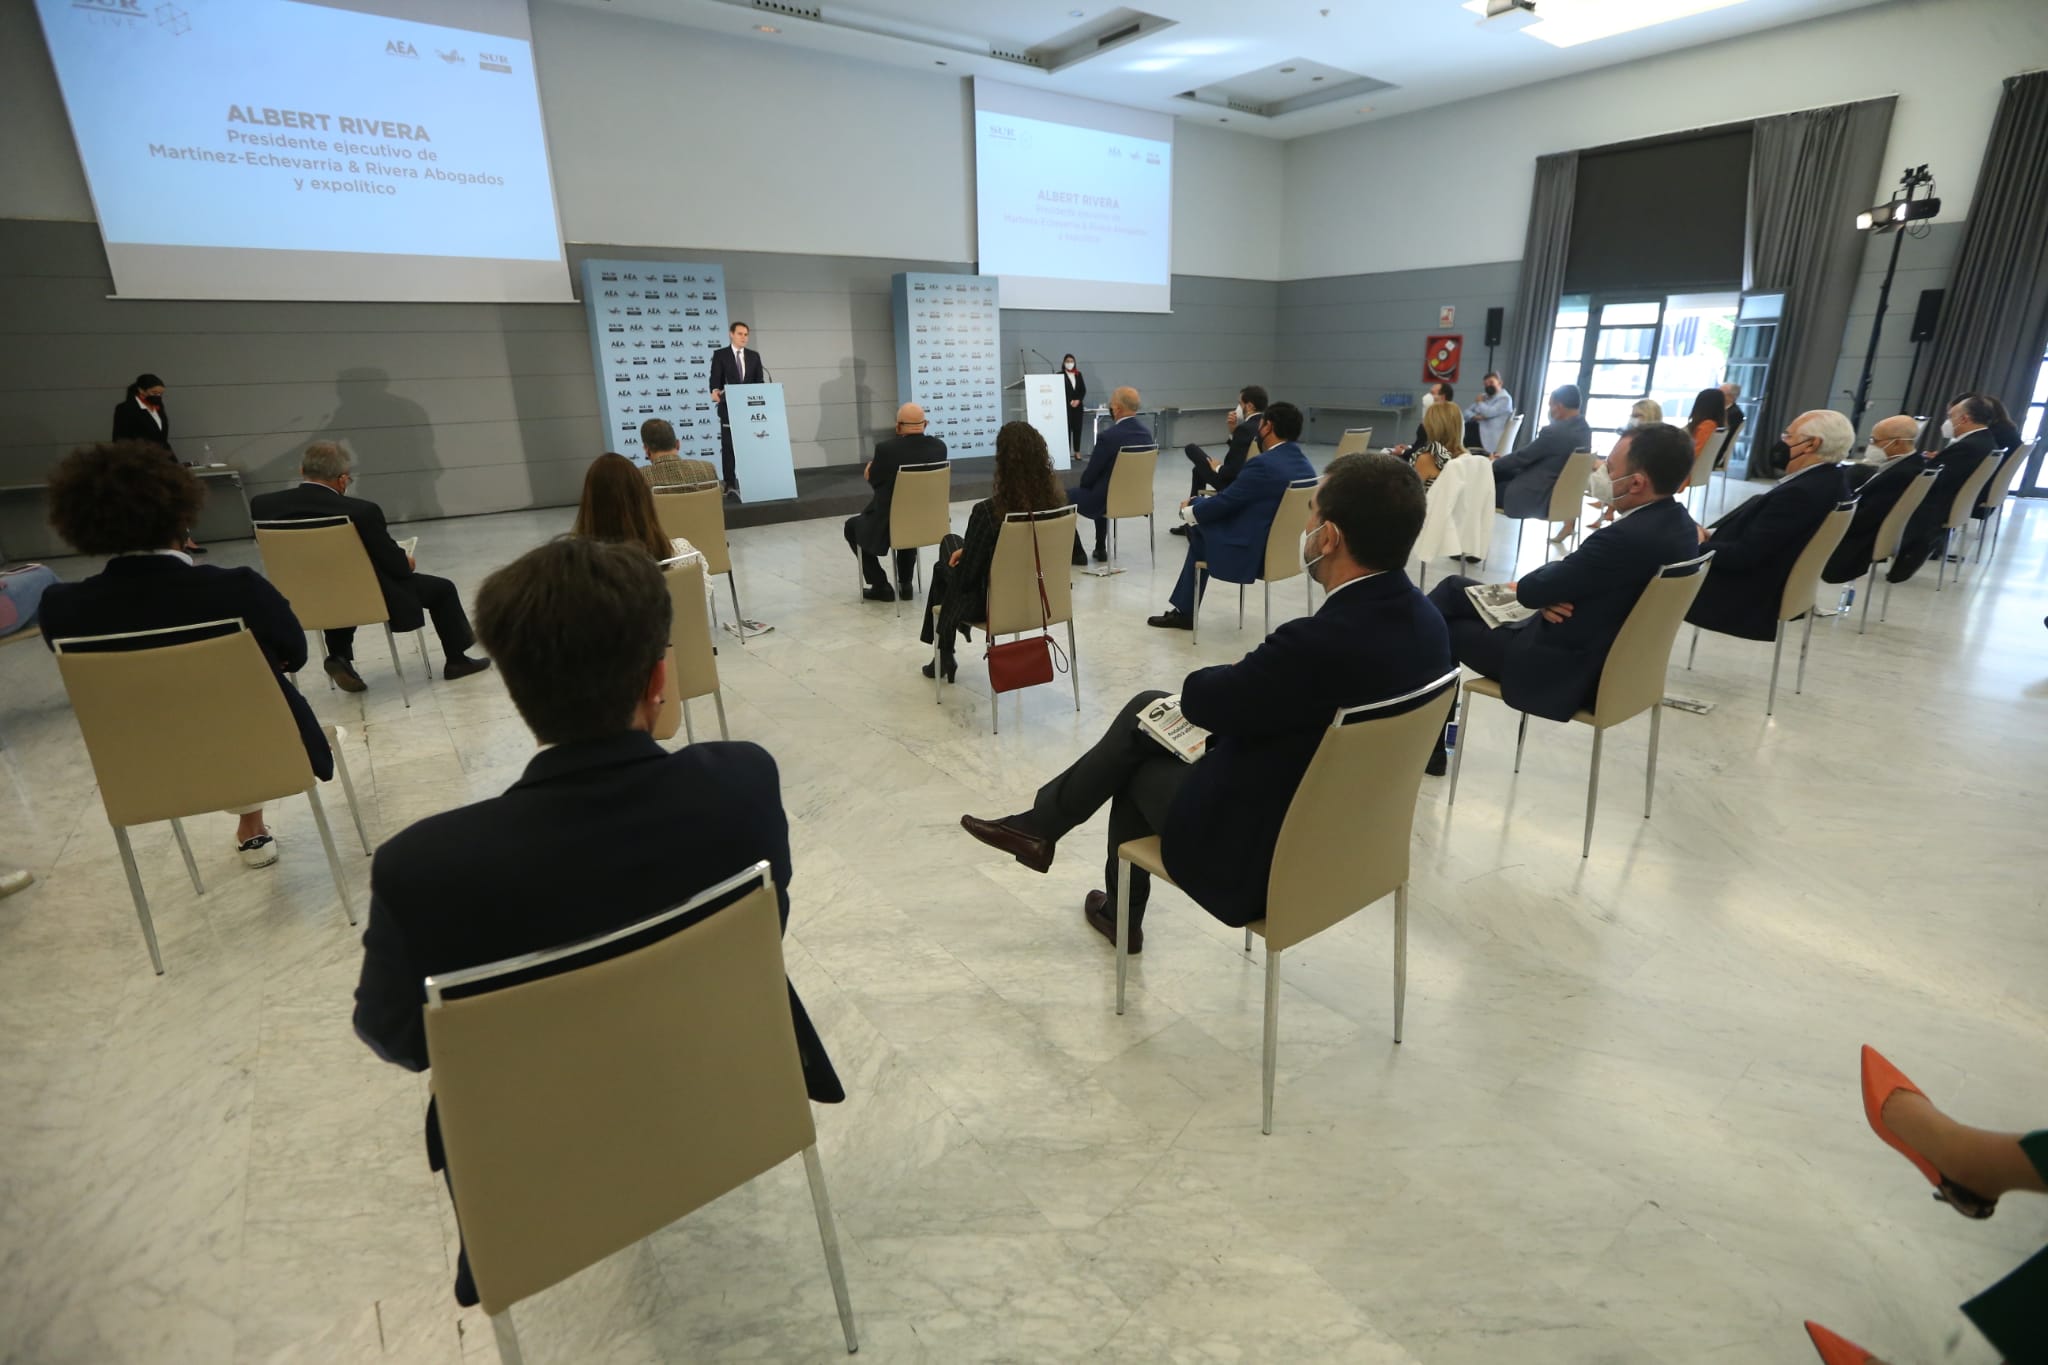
[(2013, 1314)]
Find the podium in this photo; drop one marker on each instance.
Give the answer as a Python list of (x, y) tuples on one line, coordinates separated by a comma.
[(760, 442), (1045, 408)]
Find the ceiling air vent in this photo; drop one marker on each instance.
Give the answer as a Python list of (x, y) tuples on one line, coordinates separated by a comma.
[(1104, 33), (1285, 88)]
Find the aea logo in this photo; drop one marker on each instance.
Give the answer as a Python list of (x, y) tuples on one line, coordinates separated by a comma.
[(399, 47)]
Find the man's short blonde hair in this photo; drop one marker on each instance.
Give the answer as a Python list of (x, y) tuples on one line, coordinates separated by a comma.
[(1125, 398)]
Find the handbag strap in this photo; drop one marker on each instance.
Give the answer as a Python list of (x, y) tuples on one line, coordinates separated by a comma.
[(1044, 602)]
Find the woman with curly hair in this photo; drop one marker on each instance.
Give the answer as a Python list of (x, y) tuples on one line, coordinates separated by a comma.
[(1024, 483), (126, 500)]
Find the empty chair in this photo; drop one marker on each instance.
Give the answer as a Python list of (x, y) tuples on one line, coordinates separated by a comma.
[(1713, 455), (1567, 501), (920, 512), (1283, 556), (1958, 520), (593, 1094), (1130, 495), (189, 720), (1508, 434), (1021, 600), (1797, 599), (697, 514), (1990, 508), (1886, 547), (1343, 845), (1631, 682), (692, 661), (321, 567), (1354, 441)]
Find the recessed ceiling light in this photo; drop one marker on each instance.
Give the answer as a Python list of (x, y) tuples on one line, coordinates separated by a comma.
[(1315, 78), (1287, 71), (766, 28), (1567, 23), (1365, 108), (1223, 120), (936, 63)]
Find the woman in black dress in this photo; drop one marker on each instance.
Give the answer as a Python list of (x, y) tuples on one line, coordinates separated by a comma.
[(1077, 402), (1024, 483)]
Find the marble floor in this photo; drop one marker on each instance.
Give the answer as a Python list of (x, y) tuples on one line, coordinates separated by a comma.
[(1624, 1125)]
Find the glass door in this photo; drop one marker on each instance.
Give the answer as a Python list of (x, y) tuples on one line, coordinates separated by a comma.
[(1615, 362)]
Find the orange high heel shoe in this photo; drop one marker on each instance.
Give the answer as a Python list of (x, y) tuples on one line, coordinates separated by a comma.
[(1882, 1080), (1835, 1351)]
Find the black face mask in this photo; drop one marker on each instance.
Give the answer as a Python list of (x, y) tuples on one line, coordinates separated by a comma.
[(1491, 390)]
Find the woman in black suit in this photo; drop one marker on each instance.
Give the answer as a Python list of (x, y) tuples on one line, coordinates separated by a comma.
[(1077, 402), (140, 415), (1024, 483)]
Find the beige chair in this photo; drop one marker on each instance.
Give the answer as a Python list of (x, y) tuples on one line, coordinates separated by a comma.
[(1130, 495), (920, 514), (1013, 605), (692, 663), (1631, 682), (1797, 599), (1990, 509), (1567, 501), (189, 720), (1886, 547), (697, 514), (321, 567), (1343, 844), (1713, 455), (1954, 529), (1354, 441), (1283, 556), (591, 1095), (1508, 434)]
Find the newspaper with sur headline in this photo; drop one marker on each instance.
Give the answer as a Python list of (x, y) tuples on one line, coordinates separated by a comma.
[(1175, 732), (1496, 604)]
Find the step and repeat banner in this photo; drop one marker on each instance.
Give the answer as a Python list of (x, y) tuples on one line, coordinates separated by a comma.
[(653, 327), (948, 329)]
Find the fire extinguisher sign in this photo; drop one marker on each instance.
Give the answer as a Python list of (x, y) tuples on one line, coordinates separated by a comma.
[(1440, 359)]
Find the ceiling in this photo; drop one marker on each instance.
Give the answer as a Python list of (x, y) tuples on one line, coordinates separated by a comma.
[(1229, 53)]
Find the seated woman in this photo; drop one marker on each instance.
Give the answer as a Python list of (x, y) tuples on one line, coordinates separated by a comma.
[(1024, 483), (128, 501), (1709, 414), (618, 506), (1443, 440), (21, 595)]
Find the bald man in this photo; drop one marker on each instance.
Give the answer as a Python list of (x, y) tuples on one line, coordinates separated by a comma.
[(1091, 495), (1887, 469), (867, 532)]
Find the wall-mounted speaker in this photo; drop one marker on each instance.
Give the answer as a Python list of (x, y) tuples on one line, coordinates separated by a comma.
[(1927, 315), (1494, 318)]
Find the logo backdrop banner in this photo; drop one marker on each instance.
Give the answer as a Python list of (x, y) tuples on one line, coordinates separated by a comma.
[(947, 330), (653, 327)]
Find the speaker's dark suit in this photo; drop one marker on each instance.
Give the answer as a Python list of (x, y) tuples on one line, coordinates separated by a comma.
[(1754, 548), (867, 530), (1876, 495), (1523, 478), (726, 371), (408, 595), (1957, 461), (1243, 437), (152, 592), (1551, 669), (132, 422), (1091, 494), (1219, 819), (514, 874)]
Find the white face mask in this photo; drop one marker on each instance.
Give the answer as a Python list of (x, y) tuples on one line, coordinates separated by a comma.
[(1309, 562), (1601, 486), (1948, 429), (1428, 399), (1070, 365)]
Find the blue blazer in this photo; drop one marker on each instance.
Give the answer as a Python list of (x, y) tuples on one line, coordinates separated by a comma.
[(1092, 494), (151, 592), (1527, 475), (1236, 521), (1754, 547), (1553, 669), (1372, 639)]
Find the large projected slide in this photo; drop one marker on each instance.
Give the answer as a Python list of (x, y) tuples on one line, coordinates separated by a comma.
[(1074, 201), (295, 149)]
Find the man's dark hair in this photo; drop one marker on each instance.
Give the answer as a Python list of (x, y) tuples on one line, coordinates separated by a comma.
[(1445, 391), (1253, 395), (657, 437), (1490, 374), (736, 324), (1981, 408), (122, 498), (1285, 419), (1568, 396), (575, 628), (1662, 453), (1376, 503)]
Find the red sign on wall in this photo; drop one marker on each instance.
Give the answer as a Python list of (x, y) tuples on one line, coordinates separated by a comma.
[(1440, 359)]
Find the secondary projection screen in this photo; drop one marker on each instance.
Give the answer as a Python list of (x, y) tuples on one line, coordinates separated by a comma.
[(313, 149), (1074, 201)]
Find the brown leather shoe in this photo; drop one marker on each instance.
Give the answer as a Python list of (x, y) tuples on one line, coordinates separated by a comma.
[(1101, 917), (1029, 849)]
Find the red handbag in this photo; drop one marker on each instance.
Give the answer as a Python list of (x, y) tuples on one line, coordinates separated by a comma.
[(1029, 661)]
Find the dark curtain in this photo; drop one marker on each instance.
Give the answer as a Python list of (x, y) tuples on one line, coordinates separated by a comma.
[(1534, 316), (1994, 322), (1810, 174)]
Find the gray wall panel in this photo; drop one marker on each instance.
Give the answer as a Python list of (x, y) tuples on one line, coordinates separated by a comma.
[(1924, 263)]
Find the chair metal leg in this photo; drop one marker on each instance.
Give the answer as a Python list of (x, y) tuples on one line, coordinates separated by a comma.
[(419, 637), (1464, 738), (1521, 736), (404, 692), (1650, 768), (508, 1339), (335, 737), (1123, 929), (1519, 526), (1400, 956), (1690, 653), (1272, 1034), (1247, 939), (1869, 586), (739, 618), (1422, 583), (1805, 640), (1777, 655), (156, 959), (689, 730), (1941, 569), (821, 1204), (1886, 605), (1240, 606), (718, 704), (185, 847), (1073, 663), (1152, 538), (333, 858), (1195, 617), (1308, 591), (1592, 795), (1268, 584)]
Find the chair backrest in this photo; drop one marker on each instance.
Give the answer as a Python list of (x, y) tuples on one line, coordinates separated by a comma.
[(1632, 679), (1966, 495), (1568, 494), (183, 720), (1345, 839), (698, 516), (2000, 484), (693, 671), (1804, 580), (1130, 483), (591, 1095), (1354, 441), (321, 567), (1013, 605), (1508, 434), (1893, 528), (1283, 537), (920, 511), (1709, 456)]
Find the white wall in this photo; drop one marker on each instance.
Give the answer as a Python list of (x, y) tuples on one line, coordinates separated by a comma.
[(1356, 197)]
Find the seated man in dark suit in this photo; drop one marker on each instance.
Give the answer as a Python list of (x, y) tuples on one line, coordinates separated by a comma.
[(1091, 494), (1549, 665), (1242, 421), (1756, 544), (128, 501), (1970, 444), (580, 629), (867, 531), (1218, 819), (1523, 479), (1228, 531), (1885, 472), (409, 596)]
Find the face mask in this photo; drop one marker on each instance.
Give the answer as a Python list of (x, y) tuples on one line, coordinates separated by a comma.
[(1601, 486), (1492, 389), (1428, 399), (1070, 364), (1948, 430), (1308, 562)]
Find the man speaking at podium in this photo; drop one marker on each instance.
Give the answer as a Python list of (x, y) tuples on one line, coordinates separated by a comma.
[(734, 364)]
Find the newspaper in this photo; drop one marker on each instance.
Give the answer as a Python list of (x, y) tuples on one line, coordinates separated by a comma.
[(409, 545), (1175, 732), (1496, 604)]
